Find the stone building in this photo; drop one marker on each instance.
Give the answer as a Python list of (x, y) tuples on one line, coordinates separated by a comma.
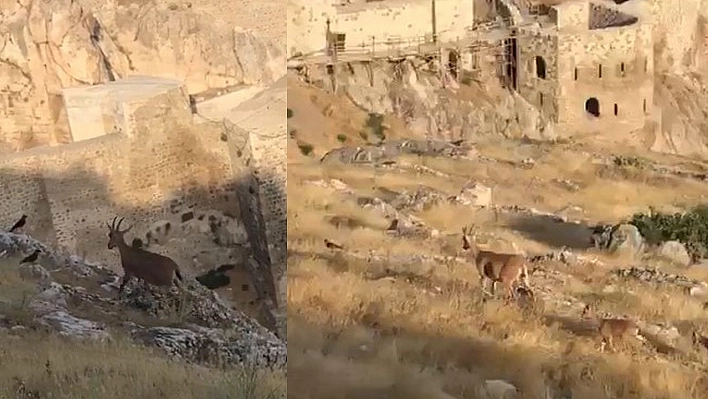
[(361, 23), (587, 66)]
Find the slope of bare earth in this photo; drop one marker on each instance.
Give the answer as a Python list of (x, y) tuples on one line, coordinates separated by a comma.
[(401, 315)]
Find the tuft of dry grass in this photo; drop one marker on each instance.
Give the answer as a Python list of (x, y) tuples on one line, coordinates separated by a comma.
[(37, 365)]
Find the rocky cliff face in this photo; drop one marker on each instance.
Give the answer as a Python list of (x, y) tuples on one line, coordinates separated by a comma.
[(79, 300), (434, 110), (48, 45)]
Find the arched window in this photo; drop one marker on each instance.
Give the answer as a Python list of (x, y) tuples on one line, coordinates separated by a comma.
[(540, 67), (592, 106)]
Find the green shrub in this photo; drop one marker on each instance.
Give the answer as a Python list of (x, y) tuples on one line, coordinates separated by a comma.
[(341, 138), (290, 113), (690, 228)]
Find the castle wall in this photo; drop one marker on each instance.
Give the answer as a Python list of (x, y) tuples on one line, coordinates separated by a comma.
[(363, 22), (572, 15), (542, 92), (614, 66)]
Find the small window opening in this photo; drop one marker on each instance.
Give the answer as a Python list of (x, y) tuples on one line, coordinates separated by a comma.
[(644, 105), (616, 110), (622, 67), (592, 106), (599, 71), (575, 74), (540, 67), (646, 65), (540, 98)]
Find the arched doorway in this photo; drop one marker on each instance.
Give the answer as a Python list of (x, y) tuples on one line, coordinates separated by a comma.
[(592, 106), (452, 63), (540, 67)]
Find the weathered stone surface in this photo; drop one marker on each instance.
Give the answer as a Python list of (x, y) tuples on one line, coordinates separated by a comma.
[(47, 46), (475, 194), (675, 252), (626, 239), (388, 151)]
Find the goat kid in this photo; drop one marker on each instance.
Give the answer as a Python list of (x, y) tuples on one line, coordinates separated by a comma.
[(506, 269), (152, 268), (611, 328)]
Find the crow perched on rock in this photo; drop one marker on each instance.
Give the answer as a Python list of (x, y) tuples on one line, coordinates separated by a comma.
[(32, 257), (19, 224)]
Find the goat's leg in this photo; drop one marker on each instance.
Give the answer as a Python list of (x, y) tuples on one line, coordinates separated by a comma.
[(126, 279), (483, 283)]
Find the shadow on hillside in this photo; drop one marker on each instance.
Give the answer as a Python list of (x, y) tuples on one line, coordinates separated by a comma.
[(552, 232), (356, 361)]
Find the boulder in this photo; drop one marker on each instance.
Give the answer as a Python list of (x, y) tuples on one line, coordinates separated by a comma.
[(675, 252), (475, 194), (626, 240)]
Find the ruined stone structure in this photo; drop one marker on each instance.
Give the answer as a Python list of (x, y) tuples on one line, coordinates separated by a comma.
[(136, 152), (588, 67), (357, 23)]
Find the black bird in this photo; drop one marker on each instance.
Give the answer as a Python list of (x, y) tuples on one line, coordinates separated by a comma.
[(214, 279), (332, 245), (20, 223), (31, 258)]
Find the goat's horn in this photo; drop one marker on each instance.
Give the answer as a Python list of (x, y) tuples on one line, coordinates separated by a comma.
[(119, 223), (113, 223)]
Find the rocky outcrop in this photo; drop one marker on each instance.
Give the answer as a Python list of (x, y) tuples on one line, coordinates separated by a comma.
[(47, 46), (431, 110), (208, 331)]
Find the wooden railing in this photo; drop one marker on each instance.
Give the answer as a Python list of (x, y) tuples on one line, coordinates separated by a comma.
[(402, 47)]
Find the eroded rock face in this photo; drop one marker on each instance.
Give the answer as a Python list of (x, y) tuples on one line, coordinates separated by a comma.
[(49, 45), (209, 331)]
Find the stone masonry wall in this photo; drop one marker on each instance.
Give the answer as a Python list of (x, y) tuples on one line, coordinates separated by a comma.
[(573, 15), (541, 92), (73, 190), (614, 66), (363, 21)]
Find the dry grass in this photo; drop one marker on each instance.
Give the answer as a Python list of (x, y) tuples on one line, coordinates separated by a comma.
[(426, 332), (37, 364), (44, 366)]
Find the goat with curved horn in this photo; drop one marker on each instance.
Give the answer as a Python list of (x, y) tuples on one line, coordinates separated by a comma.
[(152, 268)]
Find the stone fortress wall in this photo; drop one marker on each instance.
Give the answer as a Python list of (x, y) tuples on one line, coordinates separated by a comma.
[(363, 22), (140, 155), (585, 58)]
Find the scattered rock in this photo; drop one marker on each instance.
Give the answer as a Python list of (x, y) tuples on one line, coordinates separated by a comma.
[(499, 389), (475, 194), (386, 152), (602, 235), (33, 272), (626, 239), (652, 275), (421, 199), (675, 252)]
